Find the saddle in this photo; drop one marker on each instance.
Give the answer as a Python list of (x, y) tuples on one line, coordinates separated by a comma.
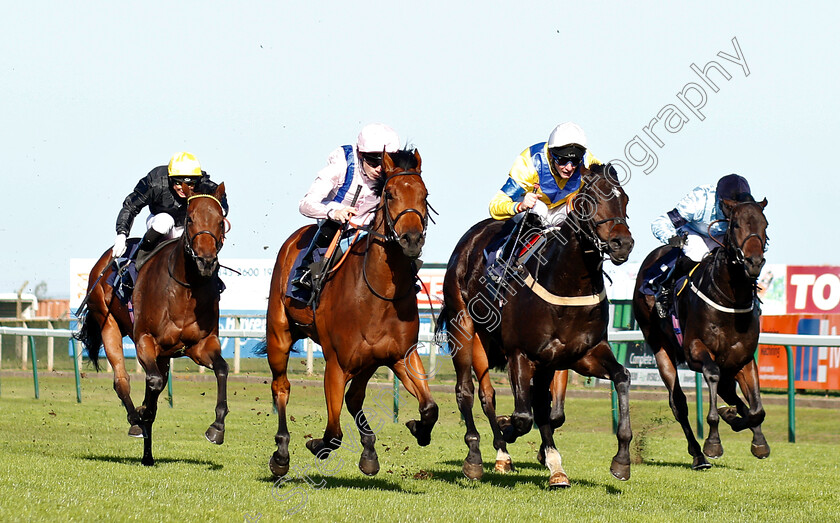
[(127, 267), (508, 251), (319, 266)]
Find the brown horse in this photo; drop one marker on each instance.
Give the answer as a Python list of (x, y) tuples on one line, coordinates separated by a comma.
[(553, 317), (176, 313), (367, 317), (719, 315)]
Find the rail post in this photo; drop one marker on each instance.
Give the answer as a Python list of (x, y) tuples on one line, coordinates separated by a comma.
[(698, 387), (74, 345), (34, 366), (791, 396)]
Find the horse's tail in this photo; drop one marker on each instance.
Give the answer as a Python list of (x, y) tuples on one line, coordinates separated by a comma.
[(91, 337), (441, 336), (262, 348)]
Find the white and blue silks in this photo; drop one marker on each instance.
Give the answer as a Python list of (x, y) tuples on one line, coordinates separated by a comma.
[(696, 215)]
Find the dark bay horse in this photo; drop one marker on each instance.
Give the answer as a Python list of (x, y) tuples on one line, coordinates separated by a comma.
[(367, 317), (176, 313), (554, 317), (719, 314)]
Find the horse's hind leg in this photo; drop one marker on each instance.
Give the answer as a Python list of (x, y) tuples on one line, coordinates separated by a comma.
[(209, 354), (558, 398), (413, 376), (600, 362), (355, 398), (548, 454), (679, 406), (278, 343), (461, 343), (112, 341)]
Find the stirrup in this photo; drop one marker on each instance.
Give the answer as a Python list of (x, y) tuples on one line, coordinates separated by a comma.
[(304, 280)]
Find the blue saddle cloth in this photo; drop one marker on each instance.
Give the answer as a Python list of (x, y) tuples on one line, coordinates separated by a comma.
[(125, 271), (302, 293)]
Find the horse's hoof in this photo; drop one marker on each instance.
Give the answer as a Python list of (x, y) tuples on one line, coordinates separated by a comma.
[(503, 422), (277, 469), (504, 466), (369, 467), (620, 471), (473, 471), (135, 431), (560, 480), (760, 451), (700, 463), (713, 449), (423, 437), (728, 414), (316, 446), (148, 461), (215, 435)]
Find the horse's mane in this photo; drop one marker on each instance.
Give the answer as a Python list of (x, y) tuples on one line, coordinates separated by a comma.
[(403, 159)]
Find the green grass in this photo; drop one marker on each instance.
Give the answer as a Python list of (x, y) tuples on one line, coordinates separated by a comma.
[(60, 460)]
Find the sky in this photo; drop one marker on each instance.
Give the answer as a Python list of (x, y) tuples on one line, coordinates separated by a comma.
[(96, 94)]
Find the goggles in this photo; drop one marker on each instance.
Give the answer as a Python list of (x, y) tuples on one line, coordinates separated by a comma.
[(190, 182), (372, 159)]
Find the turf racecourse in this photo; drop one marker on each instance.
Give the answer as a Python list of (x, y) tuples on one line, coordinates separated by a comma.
[(60, 460)]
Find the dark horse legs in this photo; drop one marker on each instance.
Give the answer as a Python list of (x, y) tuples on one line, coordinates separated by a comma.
[(748, 380), (157, 372), (679, 406), (355, 398)]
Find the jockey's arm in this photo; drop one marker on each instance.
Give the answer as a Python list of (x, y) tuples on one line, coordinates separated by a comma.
[(317, 201), (133, 204), (521, 180), (689, 209)]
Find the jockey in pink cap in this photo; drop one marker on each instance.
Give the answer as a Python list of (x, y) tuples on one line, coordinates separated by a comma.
[(350, 170)]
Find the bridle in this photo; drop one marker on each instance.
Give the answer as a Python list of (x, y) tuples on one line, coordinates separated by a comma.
[(391, 223), (189, 240), (737, 249), (587, 227), (391, 232)]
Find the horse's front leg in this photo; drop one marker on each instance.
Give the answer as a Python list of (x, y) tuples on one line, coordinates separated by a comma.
[(461, 342), (520, 372), (278, 344), (412, 374), (157, 371), (600, 362), (700, 355), (355, 398), (335, 380), (742, 416), (208, 352), (548, 454)]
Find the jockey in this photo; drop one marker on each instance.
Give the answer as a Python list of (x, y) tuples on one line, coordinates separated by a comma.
[(162, 190), (543, 179), (691, 225), (330, 197)]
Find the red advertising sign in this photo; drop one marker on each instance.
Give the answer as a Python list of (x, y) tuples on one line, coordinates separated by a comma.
[(431, 280), (813, 289)]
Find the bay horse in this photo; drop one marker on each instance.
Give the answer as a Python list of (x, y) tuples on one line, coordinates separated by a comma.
[(719, 315), (553, 317), (367, 317), (175, 313)]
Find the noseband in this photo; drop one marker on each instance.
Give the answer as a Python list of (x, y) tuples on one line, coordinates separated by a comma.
[(589, 226), (737, 250), (391, 223), (188, 245)]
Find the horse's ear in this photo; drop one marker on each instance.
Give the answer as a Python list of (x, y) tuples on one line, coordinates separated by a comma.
[(419, 160), (220, 191), (726, 206), (763, 203), (387, 162)]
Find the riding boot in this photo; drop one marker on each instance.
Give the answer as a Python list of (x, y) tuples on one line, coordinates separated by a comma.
[(147, 244), (304, 272), (665, 294)]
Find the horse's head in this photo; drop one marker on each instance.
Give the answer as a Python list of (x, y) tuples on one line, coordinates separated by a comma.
[(404, 207), (204, 230), (746, 236), (600, 210)]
